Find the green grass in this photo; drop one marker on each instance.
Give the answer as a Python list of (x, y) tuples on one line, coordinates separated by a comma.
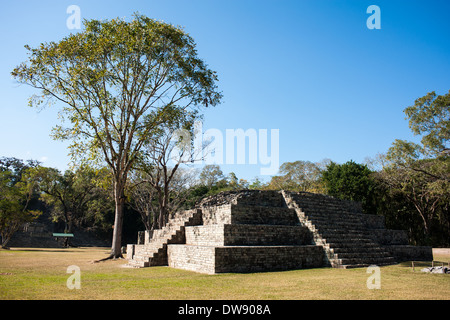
[(41, 274)]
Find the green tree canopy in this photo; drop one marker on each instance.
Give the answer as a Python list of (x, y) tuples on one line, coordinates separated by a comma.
[(350, 181), (430, 117), (300, 176), (211, 175), (118, 81), (75, 197), (420, 173), (15, 197)]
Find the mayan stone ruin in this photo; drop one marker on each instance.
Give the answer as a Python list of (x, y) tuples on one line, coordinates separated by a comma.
[(255, 231)]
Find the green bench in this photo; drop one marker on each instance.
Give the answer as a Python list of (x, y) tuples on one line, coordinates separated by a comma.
[(66, 237)]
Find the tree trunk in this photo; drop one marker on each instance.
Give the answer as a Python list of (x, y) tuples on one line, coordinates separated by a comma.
[(119, 198), (161, 218), (160, 209), (5, 241), (155, 220)]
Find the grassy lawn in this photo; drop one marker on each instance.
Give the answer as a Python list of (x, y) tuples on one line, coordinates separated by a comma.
[(42, 274)]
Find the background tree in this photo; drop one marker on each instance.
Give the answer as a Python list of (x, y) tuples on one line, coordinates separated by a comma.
[(145, 197), (74, 197), (211, 175), (257, 184), (15, 198), (350, 181), (421, 192), (234, 183), (118, 81), (420, 173), (299, 176), (16, 167), (233, 180), (430, 117), (162, 157)]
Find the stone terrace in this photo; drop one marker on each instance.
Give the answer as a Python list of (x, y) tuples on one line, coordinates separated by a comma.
[(252, 231), (349, 237)]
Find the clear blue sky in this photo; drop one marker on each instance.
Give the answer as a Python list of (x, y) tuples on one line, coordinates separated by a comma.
[(310, 68)]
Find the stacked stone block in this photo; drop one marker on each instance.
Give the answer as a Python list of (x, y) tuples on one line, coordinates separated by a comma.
[(247, 235), (253, 232), (154, 250)]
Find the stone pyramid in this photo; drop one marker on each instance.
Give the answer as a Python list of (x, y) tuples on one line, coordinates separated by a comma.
[(255, 231)]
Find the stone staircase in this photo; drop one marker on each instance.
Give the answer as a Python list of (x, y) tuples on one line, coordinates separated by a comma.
[(154, 251), (338, 227)]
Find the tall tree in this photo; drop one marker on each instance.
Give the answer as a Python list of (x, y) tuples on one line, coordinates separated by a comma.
[(421, 172), (430, 117), (424, 191), (118, 81)]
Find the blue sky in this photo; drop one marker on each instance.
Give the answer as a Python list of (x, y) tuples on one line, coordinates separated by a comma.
[(310, 68)]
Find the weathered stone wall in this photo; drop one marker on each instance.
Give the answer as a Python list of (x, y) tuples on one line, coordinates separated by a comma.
[(267, 258), (245, 198), (246, 231), (240, 214), (210, 260), (410, 253), (194, 258), (263, 215), (217, 214), (241, 234), (260, 198)]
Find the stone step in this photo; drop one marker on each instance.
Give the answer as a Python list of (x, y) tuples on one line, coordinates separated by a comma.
[(366, 261), (138, 263), (331, 226), (363, 265), (325, 226), (366, 245), (342, 221), (337, 218), (328, 209), (155, 252), (323, 203), (362, 254), (334, 216), (351, 250), (339, 228), (346, 235)]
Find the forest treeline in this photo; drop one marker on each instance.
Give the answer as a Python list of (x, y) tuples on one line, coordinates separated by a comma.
[(409, 185), (411, 200)]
